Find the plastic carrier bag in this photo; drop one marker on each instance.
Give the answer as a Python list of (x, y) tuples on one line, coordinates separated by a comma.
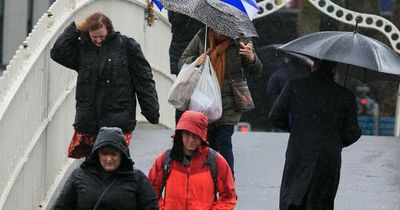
[(206, 96), (182, 89)]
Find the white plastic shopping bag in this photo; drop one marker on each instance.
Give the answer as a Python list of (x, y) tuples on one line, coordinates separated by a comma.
[(182, 89), (206, 96)]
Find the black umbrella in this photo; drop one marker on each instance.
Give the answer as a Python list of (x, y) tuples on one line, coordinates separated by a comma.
[(350, 48), (300, 57), (221, 17)]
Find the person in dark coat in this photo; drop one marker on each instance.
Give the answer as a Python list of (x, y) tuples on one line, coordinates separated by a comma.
[(112, 73), (183, 29), (110, 167), (292, 68), (232, 59), (323, 120)]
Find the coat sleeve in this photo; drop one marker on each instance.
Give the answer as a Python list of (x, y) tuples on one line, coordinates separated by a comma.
[(65, 50), (146, 198), (142, 78), (156, 178), (252, 69), (273, 89), (191, 52), (279, 115), (68, 197), (350, 131), (225, 185)]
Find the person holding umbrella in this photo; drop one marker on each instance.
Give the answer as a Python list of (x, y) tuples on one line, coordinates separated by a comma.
[(321, 117), (231, 59), (231, 53), (294, 66)]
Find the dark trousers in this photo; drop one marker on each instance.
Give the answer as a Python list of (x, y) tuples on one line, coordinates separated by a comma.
[(178, 114), (220, 139)]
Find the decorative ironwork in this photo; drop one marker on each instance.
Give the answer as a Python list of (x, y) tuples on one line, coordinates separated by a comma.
[(343, 15), (364, 20), (270, 6)]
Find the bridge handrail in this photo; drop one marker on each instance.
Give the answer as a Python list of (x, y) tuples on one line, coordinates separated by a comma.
[(32, 122)]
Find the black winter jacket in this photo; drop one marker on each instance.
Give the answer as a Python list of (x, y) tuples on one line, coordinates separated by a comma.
[(281, 76), (110, 78), (131, 189)]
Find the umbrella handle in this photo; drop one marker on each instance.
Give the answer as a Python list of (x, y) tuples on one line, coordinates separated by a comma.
[(205, 40)]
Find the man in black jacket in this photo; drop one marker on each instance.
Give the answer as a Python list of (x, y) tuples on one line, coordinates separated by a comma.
[(112, 72), (321, 117), (107, 179)]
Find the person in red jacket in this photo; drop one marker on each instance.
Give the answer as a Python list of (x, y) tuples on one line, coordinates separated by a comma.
[(189, 184)]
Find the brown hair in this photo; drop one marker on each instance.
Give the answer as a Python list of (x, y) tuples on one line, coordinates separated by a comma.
[(94, 22)]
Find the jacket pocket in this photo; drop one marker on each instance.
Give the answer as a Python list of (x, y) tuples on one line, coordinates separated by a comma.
[(121, 72)]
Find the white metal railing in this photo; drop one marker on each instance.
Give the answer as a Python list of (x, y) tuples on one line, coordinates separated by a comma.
[(37, 98)]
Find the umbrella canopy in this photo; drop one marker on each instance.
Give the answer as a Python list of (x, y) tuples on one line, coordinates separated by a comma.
[(221, 17), (350, 48), (298, 56)]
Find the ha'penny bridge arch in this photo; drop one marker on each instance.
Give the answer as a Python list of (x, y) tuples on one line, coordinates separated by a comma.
[(37, 95)]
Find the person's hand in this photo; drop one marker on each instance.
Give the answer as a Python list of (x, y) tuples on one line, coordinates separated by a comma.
[(247, 51), (79, 25), (202, 58)]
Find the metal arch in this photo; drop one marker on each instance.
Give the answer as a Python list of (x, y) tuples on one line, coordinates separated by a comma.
[(270, 6), (343, 15), (365, 20)]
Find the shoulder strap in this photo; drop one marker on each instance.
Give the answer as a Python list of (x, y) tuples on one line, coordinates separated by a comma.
[(166, 170), (212, 160), (104, 192)]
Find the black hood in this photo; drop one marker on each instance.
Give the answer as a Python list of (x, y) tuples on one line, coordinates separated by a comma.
[(110, 136)]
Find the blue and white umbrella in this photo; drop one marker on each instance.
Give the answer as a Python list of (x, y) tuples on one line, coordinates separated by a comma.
[(222, 17), (249, 7)]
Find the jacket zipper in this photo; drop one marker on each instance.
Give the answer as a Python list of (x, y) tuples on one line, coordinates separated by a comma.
[(187, 187)]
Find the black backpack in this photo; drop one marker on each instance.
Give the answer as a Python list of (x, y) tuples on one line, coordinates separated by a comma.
[(211, 161)]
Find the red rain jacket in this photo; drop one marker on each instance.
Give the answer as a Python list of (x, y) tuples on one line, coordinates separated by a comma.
[(190, 187)]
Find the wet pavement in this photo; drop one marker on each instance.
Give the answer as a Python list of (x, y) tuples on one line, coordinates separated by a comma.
[(370, 175)]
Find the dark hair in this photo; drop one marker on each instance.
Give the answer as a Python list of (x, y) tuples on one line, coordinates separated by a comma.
[(324, 68), (177, 148), (94, 22)]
